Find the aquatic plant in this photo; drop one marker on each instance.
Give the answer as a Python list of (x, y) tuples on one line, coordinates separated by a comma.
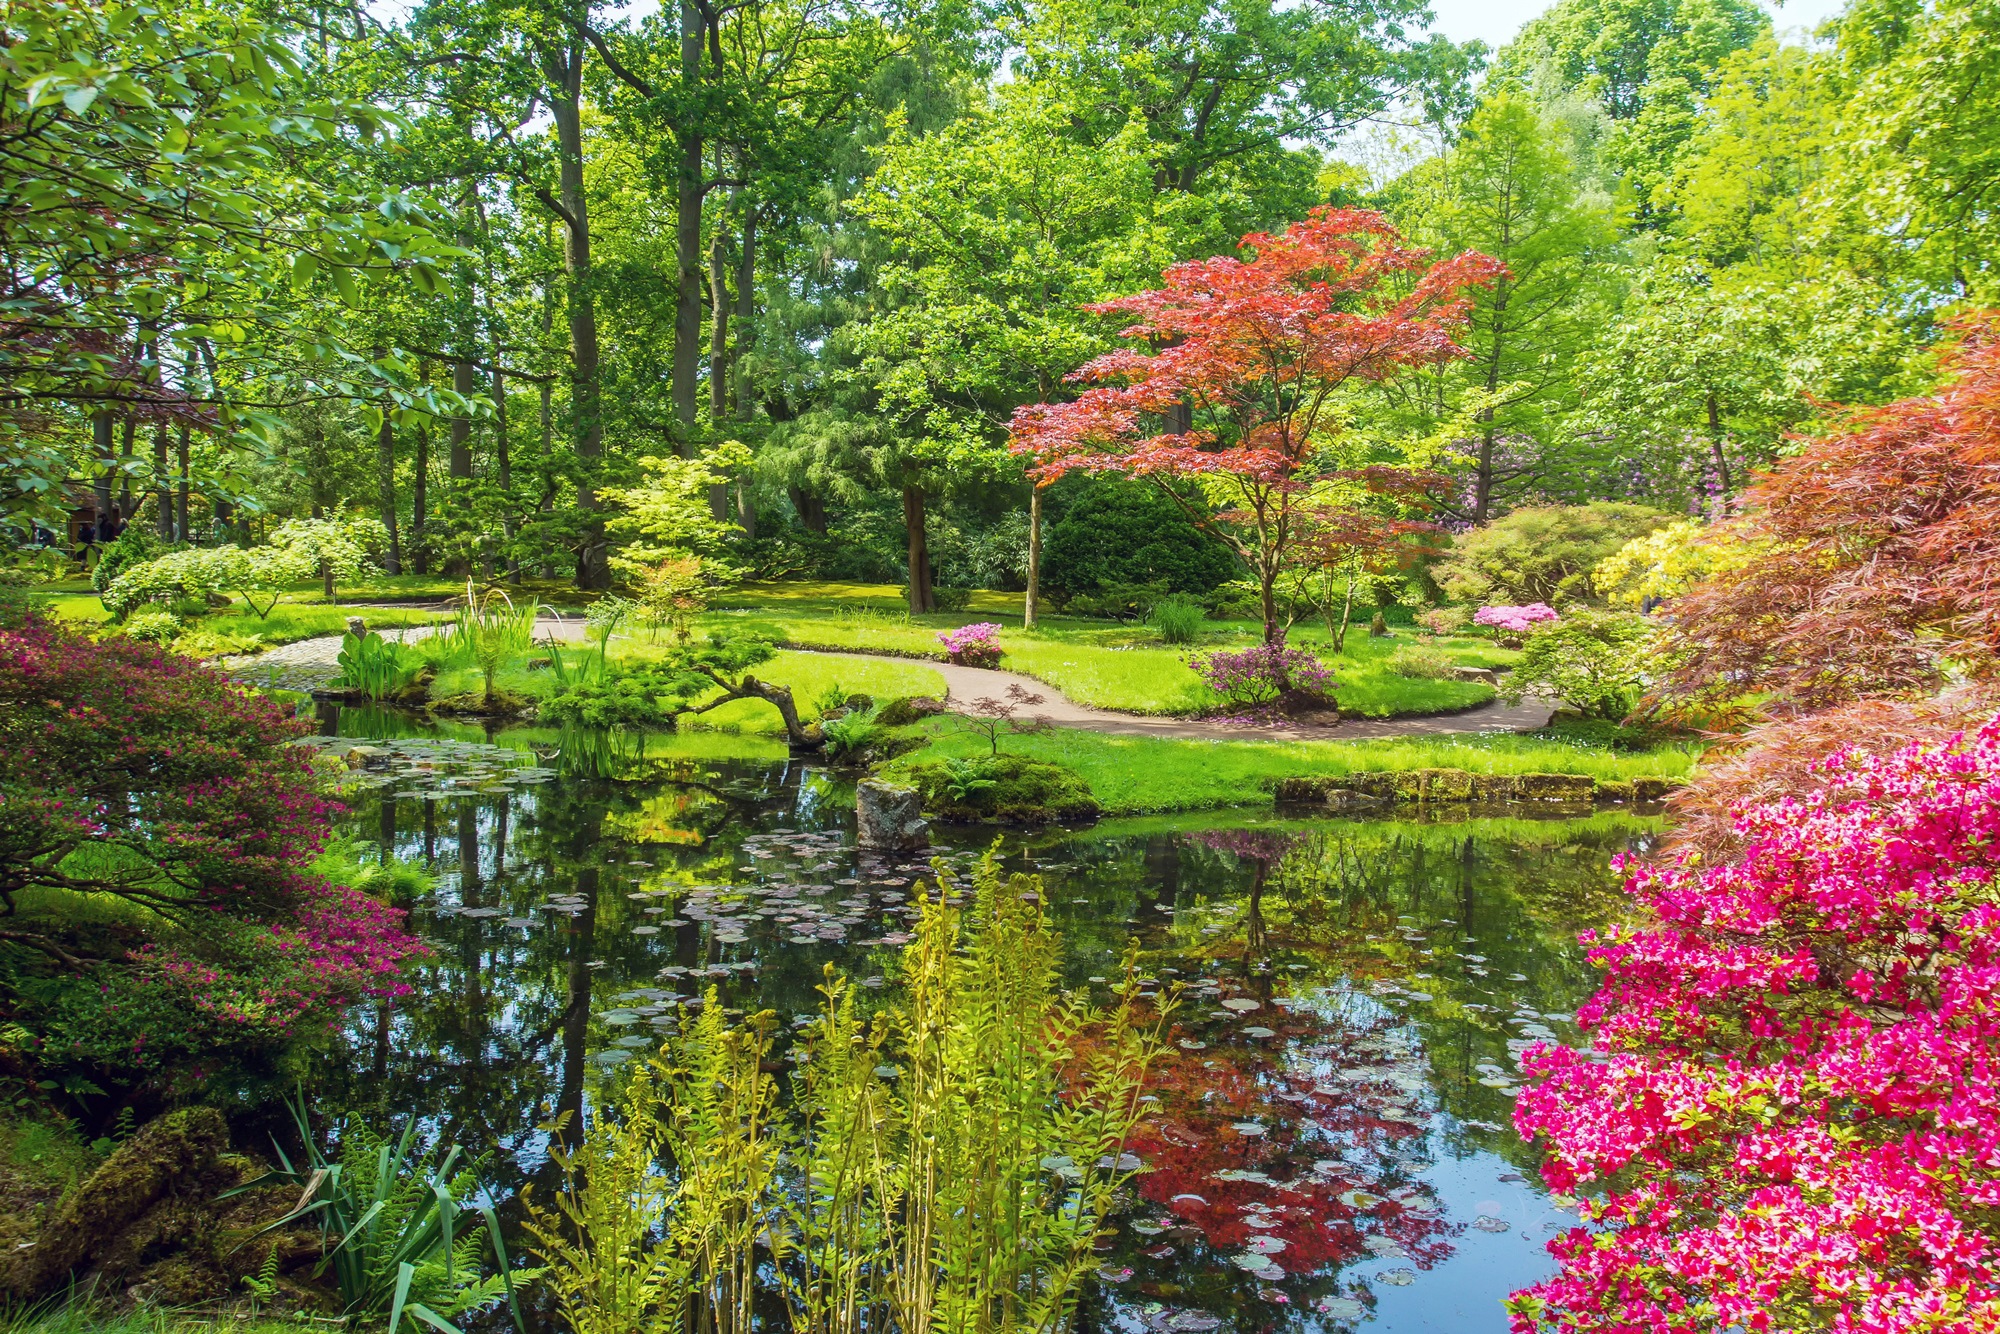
[(377, 667), (1791, 1118), (390, 1213), (948, 1164)]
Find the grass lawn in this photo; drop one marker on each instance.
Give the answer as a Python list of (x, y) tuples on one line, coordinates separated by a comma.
[(1098, 663), (296, 617), (1152, 775)]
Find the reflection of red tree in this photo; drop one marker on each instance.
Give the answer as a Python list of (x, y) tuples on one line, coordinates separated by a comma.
[(1191, 1141)]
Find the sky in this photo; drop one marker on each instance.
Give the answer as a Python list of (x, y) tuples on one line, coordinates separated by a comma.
[(1496, 21)]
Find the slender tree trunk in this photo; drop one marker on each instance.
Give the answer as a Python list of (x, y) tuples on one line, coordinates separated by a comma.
[(1719, 504), (420, 495), (746, 311), (185, 485), (687, 238), (126, 443), (101, 444), (503, 467), (458, 467), (163, 494), (1031, 604), (592, 571), (922, 598), (385, 481), (718, 357)]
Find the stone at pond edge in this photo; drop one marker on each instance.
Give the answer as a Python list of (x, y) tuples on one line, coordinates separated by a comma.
[(1361, 791), (889, 817), (1018, 791)]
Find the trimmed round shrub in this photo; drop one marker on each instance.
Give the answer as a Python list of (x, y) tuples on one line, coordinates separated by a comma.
[(1120, 534), (1542, 554)]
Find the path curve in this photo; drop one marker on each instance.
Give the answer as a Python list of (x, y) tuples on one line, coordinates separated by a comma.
[(964, 685), (310, 663)]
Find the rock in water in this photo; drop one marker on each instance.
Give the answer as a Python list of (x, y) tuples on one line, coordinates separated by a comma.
[(891, 817)]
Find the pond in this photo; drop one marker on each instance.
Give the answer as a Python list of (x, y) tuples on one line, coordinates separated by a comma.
[(1332, 1148)]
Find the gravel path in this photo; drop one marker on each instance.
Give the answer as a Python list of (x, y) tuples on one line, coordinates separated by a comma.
[(963, 685), (310, 664)]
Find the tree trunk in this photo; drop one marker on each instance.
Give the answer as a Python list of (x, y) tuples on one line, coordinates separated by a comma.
[(420, 494), (126, 442), (746, 310), (385, 480), (921, 597), (1030, 604), (458, 465), (810, 509), (1719, 503), (718, 358), (162, 488), (687, 239), (181, 499), (100, 443), (592, 571)]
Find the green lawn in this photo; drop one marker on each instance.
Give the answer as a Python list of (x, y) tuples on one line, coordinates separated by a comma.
[(296, 617), (1097, 663), (1149, 775)]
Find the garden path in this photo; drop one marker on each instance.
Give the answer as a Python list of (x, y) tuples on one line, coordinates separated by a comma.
[(963, 685), (309, 663)]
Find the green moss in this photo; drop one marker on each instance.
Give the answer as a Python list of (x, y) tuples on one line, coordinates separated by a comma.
[(1011, 789)]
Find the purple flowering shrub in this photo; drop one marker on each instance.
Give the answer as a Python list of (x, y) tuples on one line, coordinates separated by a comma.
[(145, 779), (975, 645), (1515, 620), (1263, 675)]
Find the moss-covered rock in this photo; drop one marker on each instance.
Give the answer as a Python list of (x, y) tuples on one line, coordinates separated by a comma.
[(1005, 788), (1572, 788), (1655, 789), (909, 709), (1441, 785), (1612, 789)]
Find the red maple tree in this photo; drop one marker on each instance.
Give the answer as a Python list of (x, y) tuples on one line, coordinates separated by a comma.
[(1249, 361), (1882, 573)]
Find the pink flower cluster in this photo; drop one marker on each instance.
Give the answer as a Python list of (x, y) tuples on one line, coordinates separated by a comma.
[(1791, 1116), (974, 645), (1515, 620)]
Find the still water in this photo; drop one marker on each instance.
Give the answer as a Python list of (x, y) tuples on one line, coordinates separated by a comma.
[(1332, 1149)]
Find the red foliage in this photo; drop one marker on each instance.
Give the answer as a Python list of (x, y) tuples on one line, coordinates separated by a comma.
[(1257, 352), (1886, 567), (191, 803)]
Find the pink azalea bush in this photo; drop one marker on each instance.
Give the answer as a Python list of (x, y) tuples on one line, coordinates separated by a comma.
[(1515, 620), (1790, 1118), (975, 645), (195, 809), (1264, 674)]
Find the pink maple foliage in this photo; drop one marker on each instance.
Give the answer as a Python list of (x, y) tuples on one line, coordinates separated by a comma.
[(1790, 1118)]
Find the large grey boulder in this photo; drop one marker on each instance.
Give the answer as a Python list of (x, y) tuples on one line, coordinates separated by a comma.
[(890, 817)]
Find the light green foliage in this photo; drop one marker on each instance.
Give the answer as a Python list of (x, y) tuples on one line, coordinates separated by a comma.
[(1544, 554), (341, 548), (1594, 662), (852, 734), (1424, 662), (196, 572), (379, 668), (161, 172), (154, 625), (949, 1164), (1668, 561), (402, 1225), (1517, 186), (1647, 62), (667, 517)]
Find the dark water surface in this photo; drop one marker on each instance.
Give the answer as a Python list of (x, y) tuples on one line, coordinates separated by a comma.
[(1332, 1150)]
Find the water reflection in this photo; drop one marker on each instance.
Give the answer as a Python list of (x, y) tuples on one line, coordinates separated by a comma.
[(1331, 1148)]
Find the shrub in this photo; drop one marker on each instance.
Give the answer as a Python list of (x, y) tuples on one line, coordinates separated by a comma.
[(1264, 674), (1790, 1113), (972, 645), (1544, 554), (199, 572), (1443, 620), (1593, 661), (1117, 602), (1423, 662), (135, 546), (1115, 534), (1515, 620), (145, 780), (1178, 619), (1668, 561), (851, 735), (155, 625)]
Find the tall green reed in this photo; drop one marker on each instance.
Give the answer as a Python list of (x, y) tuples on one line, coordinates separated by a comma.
[(946, 1164)]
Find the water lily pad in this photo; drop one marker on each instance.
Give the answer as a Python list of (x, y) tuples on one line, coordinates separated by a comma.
[(1340, 1308), (1397, 1278), (1488, 1223), (1258, 1031), (1242, 1004), (1266, 1245), (1114, 1275)]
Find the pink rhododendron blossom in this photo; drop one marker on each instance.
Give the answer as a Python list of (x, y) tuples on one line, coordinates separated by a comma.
[(1790, 1117), (972, 645), (1515, 620)]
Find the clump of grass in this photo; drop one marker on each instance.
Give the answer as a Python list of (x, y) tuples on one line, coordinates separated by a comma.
[(1177, 619)]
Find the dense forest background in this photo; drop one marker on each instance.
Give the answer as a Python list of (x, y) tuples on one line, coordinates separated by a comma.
[(463, 268)]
